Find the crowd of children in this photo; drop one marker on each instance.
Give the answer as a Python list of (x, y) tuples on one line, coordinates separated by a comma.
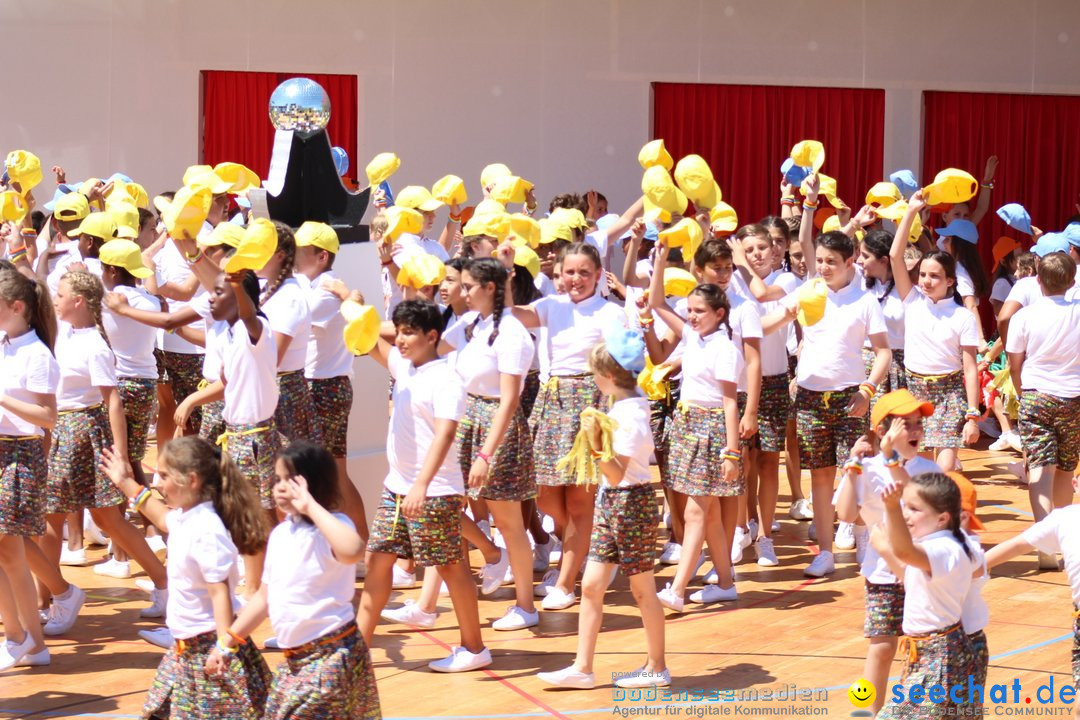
[(535, 375)]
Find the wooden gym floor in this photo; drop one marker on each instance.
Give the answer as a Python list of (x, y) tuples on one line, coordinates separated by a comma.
[(785, 633)]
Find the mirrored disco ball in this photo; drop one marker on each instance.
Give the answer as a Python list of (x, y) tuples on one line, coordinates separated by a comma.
[(299, 104)]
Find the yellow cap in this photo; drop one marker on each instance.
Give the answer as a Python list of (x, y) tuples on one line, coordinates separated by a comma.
[(831, 223), (653, 380), (571, 217), (417, 197), (99, 225), (23, 167), (126, 217), (494, 225), (13, 207), (71, 207), (126, 254), (655, 214), (450, 189), (317, 234), (951, 186), (695, 178), (723, 218), (552, 230), (421, 270), (893, 211), (658, 187), (255, 249), (654, 153), (361, 331), (209, 180), (401, 220), (493, 172), (88, 187), (828, 189), (808, 153), (240, 178), (685, 234), (510, 189), (526, 258), (883, 194), (194, 172), (187, 212), (524, 230), (812, 298), (381, 167), (678, 282), (133, 193), (226, 233)]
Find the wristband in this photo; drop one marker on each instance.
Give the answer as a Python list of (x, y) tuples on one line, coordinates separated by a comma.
[(236, 638), (646, 321), (989, 185), (807, 205), (972, 414), (28, 232), (483, 456), (455, 218), (192, 259), (869, 388), (729, 454), (388, 263), (787, 201), (224, 649), (853, 464), (893, 460)]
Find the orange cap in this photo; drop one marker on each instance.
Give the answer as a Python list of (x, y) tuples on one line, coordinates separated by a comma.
[(968, 499)]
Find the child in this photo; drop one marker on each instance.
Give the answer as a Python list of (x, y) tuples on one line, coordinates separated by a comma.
[(1043, 347), (307, 592), (624, 527), (419, 513), (210, 513), (976, 613), (925, 535), (896, 424)]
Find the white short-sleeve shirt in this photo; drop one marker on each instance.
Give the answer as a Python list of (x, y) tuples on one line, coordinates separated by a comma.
[(934, 601), (774, 352), (745, 325), (975, 614), (1059, 532), (422, 395), (327, 356), (892, 307), (1048, 333), (249, 372), (706, 362), (287, 311), (573, 330), (132, 342), (1001, 289), (27, 368), (201, 552), (1025, 291), (480, 364), (633, 438), (964, 284), (86, 365), (309, 592), (935, 333), (172, 267)]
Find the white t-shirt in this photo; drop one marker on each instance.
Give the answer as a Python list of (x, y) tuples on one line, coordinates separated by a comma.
[(1000, 291), (406, 246), (86, 364), (976, 613), (1025, 291), (251, 388), (745, 325), (964, 284), (480, 364), (573, 330), (933, 601), (287, 311), (172, 267), (431, 247), (1048, 332), (1059, 532), (64, 262), (774, 354), (892, 307), (201, 552), (327, 356), (308, 591), (633, 439), (831, 357), (935, 334), (544, 284), (706, 362), (132, 342), (422, 395), (27, 367)]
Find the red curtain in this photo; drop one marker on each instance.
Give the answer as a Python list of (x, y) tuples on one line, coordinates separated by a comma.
[(745, 132), (236, 123)]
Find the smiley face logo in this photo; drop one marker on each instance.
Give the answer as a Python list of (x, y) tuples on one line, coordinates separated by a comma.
[(861, 693)]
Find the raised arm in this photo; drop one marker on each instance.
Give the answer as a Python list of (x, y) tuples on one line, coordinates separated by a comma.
[(987, 187), (810, 188), (901, 277), (656, 293)]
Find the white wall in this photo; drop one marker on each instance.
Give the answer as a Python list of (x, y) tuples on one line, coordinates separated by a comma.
[(558, 89)]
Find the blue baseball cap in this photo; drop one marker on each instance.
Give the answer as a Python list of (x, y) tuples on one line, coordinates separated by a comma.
[(61, 190), (119, 176), (963, 229), (627, 347), (1051, 243), (651, 233), (603, 223), (1016, 217), (794, 174), (1072, 233), (905, 180)]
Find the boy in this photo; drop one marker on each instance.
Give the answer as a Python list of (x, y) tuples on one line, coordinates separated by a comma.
[(419, 514)]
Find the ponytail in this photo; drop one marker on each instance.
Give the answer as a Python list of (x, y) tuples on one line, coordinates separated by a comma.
[(87, 286), (286, 243)]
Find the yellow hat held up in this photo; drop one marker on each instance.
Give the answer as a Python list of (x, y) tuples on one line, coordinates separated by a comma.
[(255, 249), (573, 218), (24, 168), (552, 230), (695, 179), (653, 153), (525, 257), (187, 212), (951, 186), (655, 214), (510, 189), (317, 234), (723, 218), (209, 180), (812, 298), (125, 254), (126, 217), (653, 380), (13, 207), (685, 234), (401, 220), (381, 167), (524, 230), (828, 189), (494, 225), (419, 198), (808, 153), (240, 178), (493, 172), (421, 270), (883, 194), (228, 234), (361, 331), (678, 282), (450, 189), (658, 187)]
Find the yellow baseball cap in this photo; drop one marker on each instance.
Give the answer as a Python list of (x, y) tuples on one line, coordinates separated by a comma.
[(653, 380), (381, 167), (571, 217), (526, 258), (187, 212), (686, 234), (417, 197), (808, 153), (828, 189), (421, 270), (255, 249), (71, 207), (99, 225), (197, 178), (552, 230), (524, 230), (240, 178), (126, 217), (12, 206), (23, 167), (317, 234), (510, 189), (400, 220), (122, 192), (658, 187), (951, 186), (361, 331), (126, 254), (678, 282), (495, 225), (812, 298), (883, 194), (723, 218), (654, 153), (654, 214), (695, 178), (493, 172), (227, 233), (450, 189)]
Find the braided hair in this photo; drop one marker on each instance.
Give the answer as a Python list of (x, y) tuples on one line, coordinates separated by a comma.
[(489, 270), (286, 243), (87, 286), (715, 297)]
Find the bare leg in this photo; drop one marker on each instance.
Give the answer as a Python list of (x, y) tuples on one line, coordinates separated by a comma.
[(75, 530), (879, 656), (821, 492), (719, 534), (471, 532), (591, 614), (508, 519), (697, 509), (46, 570), (580, 501), (534, 523), (1063, 488), (166, 428), (376, 592), (768, 464), (552, 501), (463, 596), (429, 590), (642, 586), (20, 617), (791, 461), (124, 535)]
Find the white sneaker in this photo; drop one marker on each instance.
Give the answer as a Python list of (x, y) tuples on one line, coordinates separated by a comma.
[(38, 659), (1019, 470), (557, 599), (542, 555), (989, 427), (64, 611), (461, 660), (862, 541), (410, 614), (74, 558), (669, 599), (271, 643), (711, 577), (492, 574), (556, 552), (737, 545), (801, 509), (1015, 442), (113, 568), (751, 531), (12, 652), (775, 527), (403, 580), (145, 584), (547, 582), (671, 554), (92, 534), (516, 619), (159, 598), (485, 527), (845, 536), (508, 578), (823, 564), (161, 637), (157, 544), (766, 553), (999, 445), (714, 594), (569, 678), (642, 678)]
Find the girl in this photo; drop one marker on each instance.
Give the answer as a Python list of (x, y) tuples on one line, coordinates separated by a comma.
[(307, 594), (874, 259), (450, 295), (703, 465), (624, 526), (940, 341), (572, 324), (29, 376), (91, 417), (494, 351), (924, 534), (210, 513), (959, 239)]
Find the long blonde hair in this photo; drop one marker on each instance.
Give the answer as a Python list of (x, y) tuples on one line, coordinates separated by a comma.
[(87, 286)]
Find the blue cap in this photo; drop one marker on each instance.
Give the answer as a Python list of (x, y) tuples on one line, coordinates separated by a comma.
[(905, 180), (1051, 243), (1072, 233), (1016, 217), (627, 347), (341, 160), (651, 233), (61, 190), (243, 202), (963, 229), (794, 174), (603, 223)]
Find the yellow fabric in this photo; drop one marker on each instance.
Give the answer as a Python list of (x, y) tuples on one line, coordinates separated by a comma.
[(653, 380), (223, 438), (581, 460), (808, 153), (694, 177), (654, 153), (1010, 400), (23, 167), (381, 167), (658, 187), (812, 300), (85, 409), (450, 189), (255, 249), (951, 186)]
